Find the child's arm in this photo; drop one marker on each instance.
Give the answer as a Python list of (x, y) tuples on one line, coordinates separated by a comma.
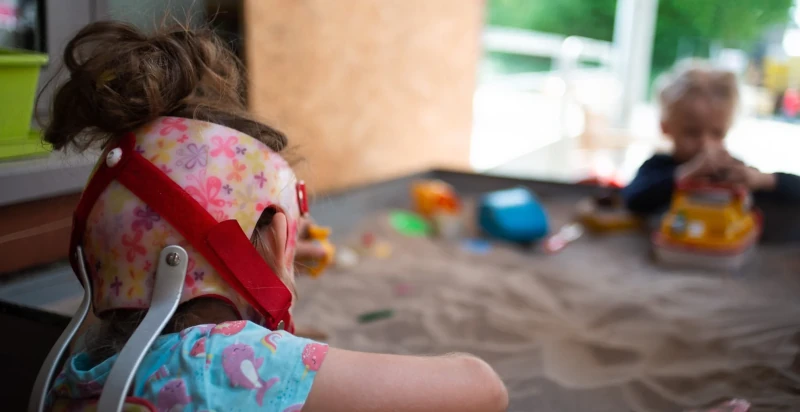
[(652, 187), (787, 186), (368, 382), (779, 186), (782, 186)]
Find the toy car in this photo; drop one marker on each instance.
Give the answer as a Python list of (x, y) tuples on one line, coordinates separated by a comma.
[(606, 214), (514, 215), (708, 226), (736, 405)]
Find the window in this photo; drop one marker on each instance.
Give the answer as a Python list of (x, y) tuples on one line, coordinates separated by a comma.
[(22, 25)]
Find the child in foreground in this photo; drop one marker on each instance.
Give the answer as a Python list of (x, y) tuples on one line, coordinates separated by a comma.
[(698, 103), (182, 159)]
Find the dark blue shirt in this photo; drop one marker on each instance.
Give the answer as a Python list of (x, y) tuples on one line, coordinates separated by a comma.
[(651, 189)]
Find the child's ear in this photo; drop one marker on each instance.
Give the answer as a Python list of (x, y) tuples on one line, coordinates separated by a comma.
[(276, 234)]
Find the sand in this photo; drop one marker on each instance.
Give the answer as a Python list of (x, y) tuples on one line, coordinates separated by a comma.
[(595, 328)]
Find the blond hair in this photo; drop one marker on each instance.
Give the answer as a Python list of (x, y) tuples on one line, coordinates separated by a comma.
[(693, 81)]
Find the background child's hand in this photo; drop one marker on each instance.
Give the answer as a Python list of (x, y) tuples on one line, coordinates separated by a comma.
[(707, 164), (750, 177)]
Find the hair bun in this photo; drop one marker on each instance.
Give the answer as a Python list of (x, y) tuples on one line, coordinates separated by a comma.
[(121, 79)]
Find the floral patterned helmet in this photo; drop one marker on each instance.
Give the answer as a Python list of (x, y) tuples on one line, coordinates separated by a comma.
[(198, 185)]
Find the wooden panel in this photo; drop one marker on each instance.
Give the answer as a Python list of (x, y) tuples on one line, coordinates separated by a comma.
[(35, 233), (366, 89)]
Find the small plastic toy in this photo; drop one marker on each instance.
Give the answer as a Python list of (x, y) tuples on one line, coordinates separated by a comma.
[(606, 214), (710, 226), (382, 250), (736, 405), (346, 257), (375, 316), (430, 196), (449, 226), (602, 181), (372, 246), (513, 215), (409, 223), (566, 235), (476, 246), (319, 235), (403, 289), (367, 239)]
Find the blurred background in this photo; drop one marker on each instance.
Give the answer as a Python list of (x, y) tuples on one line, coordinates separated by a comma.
[(567, 82), (369, 90), (582, 73)]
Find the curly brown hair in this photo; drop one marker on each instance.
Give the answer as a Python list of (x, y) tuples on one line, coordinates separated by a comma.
[(121, 79)]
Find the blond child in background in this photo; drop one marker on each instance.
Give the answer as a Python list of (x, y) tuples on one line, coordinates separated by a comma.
[(698, 104)]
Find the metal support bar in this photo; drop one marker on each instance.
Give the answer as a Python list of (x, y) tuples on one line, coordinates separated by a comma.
[(170, 276), (48, 370)]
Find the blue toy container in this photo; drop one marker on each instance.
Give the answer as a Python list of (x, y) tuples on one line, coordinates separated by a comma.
[(514, 215)]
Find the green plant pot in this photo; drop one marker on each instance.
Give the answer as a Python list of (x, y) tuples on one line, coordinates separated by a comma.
[(19, 75), (29, 145)]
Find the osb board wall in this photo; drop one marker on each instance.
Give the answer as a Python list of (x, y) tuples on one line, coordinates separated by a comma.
[(366, 89)]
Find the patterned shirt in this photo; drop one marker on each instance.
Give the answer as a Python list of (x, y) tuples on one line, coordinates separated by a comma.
[(233, 366)]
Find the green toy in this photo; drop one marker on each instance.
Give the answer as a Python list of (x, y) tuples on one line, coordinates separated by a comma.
[(376, 315), (409, 224)]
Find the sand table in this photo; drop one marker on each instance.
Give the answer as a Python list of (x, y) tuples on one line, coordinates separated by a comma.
[(595, 328)]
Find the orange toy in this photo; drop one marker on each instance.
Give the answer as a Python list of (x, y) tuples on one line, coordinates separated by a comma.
[(434, 196), (320, 235)]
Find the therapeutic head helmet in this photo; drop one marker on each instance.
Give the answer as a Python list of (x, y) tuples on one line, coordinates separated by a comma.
[(198, 185)]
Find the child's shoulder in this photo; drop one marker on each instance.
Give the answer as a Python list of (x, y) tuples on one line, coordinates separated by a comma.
[(239, 332), (237, 339), (660, 160), (276, 368)]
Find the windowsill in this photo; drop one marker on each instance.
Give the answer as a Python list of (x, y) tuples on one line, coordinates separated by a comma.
[(40, 178), (52, 288)]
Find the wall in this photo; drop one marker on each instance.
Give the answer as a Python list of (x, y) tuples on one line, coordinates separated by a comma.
[(366, 89), (148, 14)]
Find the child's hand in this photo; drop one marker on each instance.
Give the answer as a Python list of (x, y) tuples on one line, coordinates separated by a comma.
[(707, 164), (751, 177)]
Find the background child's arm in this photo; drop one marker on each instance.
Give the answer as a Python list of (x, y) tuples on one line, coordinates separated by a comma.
[(778, 186), (652, 187), (782, 186), (368, 382)]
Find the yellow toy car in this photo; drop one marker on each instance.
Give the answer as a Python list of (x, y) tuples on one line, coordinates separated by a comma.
[(606, 214), (708, 225)]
